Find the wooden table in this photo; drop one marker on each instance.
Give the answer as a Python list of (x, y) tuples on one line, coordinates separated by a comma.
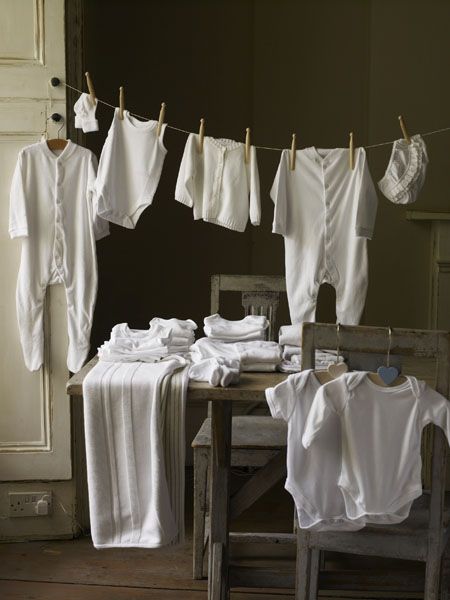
[(251, 388)]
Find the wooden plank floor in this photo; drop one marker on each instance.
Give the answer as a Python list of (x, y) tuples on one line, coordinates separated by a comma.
[(74, 570)]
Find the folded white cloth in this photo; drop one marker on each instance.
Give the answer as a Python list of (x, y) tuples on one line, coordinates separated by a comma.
[(164, 337), (246, 352), (134, 428), (290, 335), (251, 327), (178, 327), (260, 367), (216, 371)]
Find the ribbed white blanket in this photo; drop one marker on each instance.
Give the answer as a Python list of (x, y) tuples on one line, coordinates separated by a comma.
[(135, 445)]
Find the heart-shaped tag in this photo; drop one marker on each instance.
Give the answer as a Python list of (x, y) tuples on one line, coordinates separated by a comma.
[(388, 374), (337, 369)]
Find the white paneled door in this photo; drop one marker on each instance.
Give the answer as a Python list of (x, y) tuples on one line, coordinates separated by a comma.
[(34, 410)]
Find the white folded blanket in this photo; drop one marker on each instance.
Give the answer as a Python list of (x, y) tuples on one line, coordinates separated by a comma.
[(290, 335), (134, 428), (250, 352), (251, 327), (260, 367)]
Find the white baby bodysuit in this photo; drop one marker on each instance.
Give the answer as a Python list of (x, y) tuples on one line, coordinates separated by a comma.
[(51, 209), (218, 184), (251, 327), (129, 170), (326, 212), (381, 441), (312, 475)]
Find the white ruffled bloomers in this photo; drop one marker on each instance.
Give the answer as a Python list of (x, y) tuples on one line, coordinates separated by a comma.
[(405, 173)]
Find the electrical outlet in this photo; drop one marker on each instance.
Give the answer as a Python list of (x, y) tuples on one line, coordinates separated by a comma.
[(30, 504)]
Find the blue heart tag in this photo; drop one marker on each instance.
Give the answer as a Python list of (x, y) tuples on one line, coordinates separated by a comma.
[(388, 374)]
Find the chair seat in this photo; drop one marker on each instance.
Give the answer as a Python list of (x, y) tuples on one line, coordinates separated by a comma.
[(248, 432)]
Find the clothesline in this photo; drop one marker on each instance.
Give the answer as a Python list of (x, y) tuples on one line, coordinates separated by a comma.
[(427, 133)]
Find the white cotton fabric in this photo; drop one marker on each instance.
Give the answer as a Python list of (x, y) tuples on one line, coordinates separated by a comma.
[(85, 114), (381, 441), (290, 335), (129, 170), (134, 429), (325, 212), (216, 371), (218, 184), (148, 345), (405, 174), (252, 355), (312, 475), (51, 209), (251, 327)]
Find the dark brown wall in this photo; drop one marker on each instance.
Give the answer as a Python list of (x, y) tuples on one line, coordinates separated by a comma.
[(320, 68)]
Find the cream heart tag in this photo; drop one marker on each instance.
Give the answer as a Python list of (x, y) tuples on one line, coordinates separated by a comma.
[(387, 374), (337, 369)]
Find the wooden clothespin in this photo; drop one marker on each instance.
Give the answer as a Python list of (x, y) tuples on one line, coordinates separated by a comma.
[(247, 145), (201, 135), (351, 152), (404, 130), (293, 152), (121, 102), (162, 114), (90, 87)]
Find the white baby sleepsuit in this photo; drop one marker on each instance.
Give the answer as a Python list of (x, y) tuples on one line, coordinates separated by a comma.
[(129, 169), (381, 441), (312, 475), (51, 209), (326, 212), (218, 184)]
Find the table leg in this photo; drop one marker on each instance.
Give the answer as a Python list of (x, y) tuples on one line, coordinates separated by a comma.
[(219, 499)]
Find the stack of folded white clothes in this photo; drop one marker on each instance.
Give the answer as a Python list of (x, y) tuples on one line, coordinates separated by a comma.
[(253, 356), (165, 337), (290, 338), (250, 328)]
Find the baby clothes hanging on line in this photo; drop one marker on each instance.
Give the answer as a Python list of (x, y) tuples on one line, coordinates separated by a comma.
[(218, 184), (51, 209), (325, 212), (405, 174), (312, 475), (381, 441), (85, 113), (129, 170)]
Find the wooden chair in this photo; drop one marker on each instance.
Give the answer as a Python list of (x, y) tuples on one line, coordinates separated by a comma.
[(423, 536), (257, 441)]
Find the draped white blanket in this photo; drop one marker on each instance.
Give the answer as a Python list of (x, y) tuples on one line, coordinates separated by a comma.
[(135, 447)]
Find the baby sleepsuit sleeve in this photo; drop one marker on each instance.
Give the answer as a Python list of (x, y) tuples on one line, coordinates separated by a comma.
[(129, 169), (51, 209), (381, 441), (325, 212), (313, 474), (218, 184)]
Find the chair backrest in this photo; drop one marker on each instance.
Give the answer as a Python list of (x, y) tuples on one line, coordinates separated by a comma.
[(405, 342), (260, 294)]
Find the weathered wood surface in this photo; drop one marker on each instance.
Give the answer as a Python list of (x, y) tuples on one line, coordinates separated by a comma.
[(248, 432), (219, 495), (251, 387)]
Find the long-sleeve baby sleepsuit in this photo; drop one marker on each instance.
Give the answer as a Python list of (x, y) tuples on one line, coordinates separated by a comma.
[(218, 184), (326, 212), (312, 475), (51, 209), (129, 169), (381, 441)]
